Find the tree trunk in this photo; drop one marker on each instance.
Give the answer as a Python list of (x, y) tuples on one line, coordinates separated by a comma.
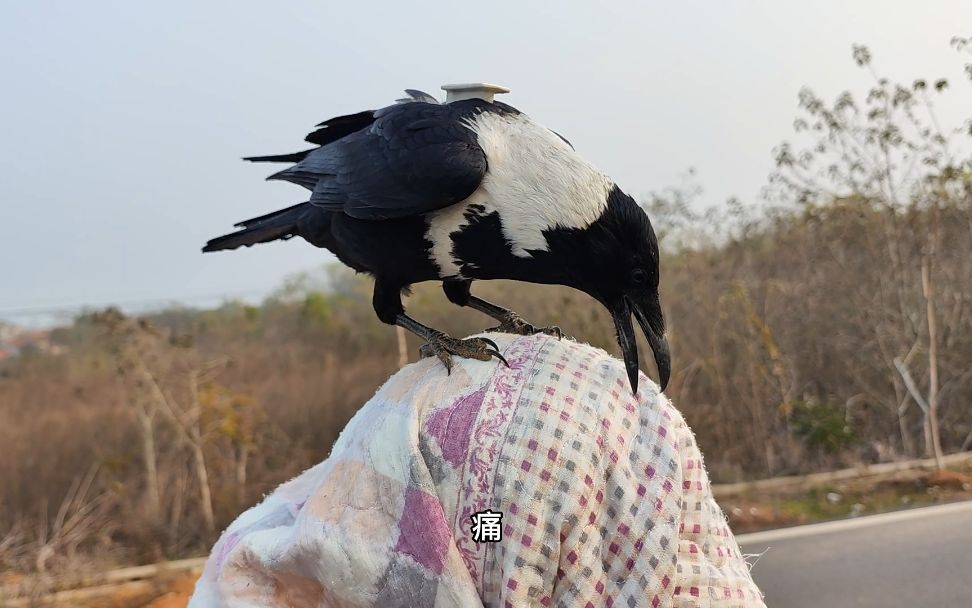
[(928, 288), (190, 426), (205, 498), (922, 403), (151, 467)]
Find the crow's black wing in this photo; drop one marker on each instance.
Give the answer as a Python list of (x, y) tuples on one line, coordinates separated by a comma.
[(335, 128), (412, 158), (327, 132)]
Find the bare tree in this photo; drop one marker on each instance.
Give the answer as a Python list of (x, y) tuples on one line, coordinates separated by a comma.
[(890, 151), (128, 341), (188, 420)]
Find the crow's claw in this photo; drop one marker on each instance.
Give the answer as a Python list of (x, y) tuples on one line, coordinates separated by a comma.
[(491, 343), (444, 346), (514, 324), (497, 354)]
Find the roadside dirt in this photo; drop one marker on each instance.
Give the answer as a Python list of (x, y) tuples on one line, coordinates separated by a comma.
[(177, 595), (853, 498)]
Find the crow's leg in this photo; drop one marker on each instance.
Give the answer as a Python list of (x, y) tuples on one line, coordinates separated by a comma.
[(510, 322), (444, 346), (387, 301)]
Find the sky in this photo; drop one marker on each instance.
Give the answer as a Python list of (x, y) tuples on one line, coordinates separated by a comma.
[(122, 123)]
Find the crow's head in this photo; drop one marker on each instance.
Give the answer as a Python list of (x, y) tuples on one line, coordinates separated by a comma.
[(615, 260)]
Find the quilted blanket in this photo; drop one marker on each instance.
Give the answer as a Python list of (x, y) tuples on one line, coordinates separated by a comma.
[(545, 483)]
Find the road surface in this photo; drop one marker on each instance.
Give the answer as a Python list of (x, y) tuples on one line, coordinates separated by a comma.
[(920, 557)]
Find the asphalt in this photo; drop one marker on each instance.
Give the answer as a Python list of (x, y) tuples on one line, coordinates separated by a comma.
[(920, 557)]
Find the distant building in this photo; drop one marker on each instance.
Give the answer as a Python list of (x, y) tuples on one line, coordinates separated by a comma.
[(15, 340)]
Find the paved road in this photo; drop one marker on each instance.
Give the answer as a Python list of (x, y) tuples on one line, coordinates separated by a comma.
[(921, 557)]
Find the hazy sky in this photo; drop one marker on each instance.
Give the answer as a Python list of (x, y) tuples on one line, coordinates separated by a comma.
[(122, 123)]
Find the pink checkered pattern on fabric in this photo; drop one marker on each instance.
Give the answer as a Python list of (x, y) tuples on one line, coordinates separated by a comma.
[(604, 498)]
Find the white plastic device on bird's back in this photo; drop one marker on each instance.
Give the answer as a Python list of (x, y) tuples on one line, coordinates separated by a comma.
[(473, 90)]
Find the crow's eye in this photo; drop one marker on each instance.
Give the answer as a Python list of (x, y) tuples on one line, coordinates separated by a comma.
[(639, 276)]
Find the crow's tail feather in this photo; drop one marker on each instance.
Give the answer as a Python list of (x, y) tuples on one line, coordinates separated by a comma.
[(294, 157), (279, 225)]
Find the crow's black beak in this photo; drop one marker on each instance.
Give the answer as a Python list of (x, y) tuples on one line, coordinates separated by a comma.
[(649, 317)]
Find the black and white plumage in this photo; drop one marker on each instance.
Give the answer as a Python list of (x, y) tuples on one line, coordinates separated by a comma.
[(464, 191)]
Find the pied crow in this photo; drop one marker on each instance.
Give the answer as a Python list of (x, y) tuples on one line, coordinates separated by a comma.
[(462, 191)]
